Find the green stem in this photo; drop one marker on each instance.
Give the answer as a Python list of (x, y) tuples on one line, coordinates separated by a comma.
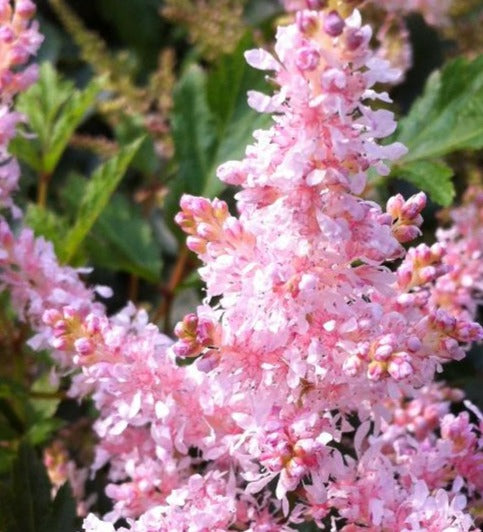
[(44, 180)]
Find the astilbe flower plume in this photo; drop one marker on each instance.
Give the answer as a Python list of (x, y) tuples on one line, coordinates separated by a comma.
[(314, 362), (308, 315)]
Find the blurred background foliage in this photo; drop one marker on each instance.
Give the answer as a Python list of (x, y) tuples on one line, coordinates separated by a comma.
[(138, 102)]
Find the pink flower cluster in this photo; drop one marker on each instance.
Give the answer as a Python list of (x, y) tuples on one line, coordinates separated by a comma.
[(310, 395), (19, 40), (305, 296)]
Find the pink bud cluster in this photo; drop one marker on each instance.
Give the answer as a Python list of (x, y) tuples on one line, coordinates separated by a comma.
[(19, 40), (197, 333), (406, 216)]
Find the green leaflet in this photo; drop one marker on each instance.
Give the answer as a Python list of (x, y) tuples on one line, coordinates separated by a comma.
[(448, 117), (96, 195), (434, 177), (133, 249), (54, 109), (46, 223)]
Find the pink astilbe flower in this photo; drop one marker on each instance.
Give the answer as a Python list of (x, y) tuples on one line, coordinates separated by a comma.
[(303, 363), (305, 296), (30, 269)]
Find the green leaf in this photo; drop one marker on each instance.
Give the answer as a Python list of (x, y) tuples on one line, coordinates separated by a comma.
[(68, 120), (45, 408), (434, 177), (97, 193), (42, 430), (123, 240), (63, 517), (448, 117), (31, 490), (54, 109), (212, 123), (25, 504), (131, 128), (193, 128)]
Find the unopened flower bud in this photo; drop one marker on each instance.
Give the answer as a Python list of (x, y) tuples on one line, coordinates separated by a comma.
[(414, 205), (333, 24), (25, 8), (383, 352), (6, 34), (352, 366), (354, 39), (406, 233), (413, 344), (92, 324), (196, 244), (185, 348), (316, 4)]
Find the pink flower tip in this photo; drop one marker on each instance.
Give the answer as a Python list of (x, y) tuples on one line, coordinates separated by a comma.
[(25, 8)]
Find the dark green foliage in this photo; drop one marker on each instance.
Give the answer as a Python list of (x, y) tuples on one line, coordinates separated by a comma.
[(25, 501)]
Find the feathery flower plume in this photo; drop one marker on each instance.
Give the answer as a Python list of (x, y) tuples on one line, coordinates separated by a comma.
[(304, 362)]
